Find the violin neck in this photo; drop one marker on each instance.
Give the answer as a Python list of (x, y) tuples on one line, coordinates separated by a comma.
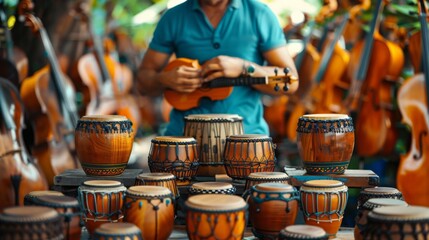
[(99, 54)]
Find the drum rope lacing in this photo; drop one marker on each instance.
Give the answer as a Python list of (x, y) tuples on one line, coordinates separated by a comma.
[(335, 126), (89, 126), (342, 197)]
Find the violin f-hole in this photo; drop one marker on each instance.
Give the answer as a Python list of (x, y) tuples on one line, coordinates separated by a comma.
[(419, 154)]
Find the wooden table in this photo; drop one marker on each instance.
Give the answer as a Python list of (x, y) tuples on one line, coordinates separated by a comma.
[(352, 177)]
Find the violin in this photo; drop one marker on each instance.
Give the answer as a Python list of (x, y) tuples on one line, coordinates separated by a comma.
[(413, 102), (49, 97), (370, 94), (19, 174)]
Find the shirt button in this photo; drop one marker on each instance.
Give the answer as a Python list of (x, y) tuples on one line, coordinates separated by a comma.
[(216, 45)]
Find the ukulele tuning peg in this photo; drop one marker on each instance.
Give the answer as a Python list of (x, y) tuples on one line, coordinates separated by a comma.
[(276, 88), (276, 71), (285, 88), (286, 71)]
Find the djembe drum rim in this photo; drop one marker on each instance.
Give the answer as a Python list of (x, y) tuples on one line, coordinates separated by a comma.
[(54, 201), (29, 214), (326, 116), (148, 191), (400, 213), (215, 203), (273, 187), (156, 176), (382, 202), (267, 176), (219, 117), (249, 138), (102, 183), (302, 231), (212, 186), (103, 118), (181, 140), (323, 185), (124, 228), (380, 190), (44, 193)]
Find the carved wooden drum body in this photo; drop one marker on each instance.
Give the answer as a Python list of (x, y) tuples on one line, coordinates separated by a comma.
[(68, 209), (215, 216), (31, 222), (118, 231), (325, 142), (101, 202), (212, 188), (210, 131), (303, 232), (398, 222), (167, 180), (323, 203), (174, 154), (371, 204), (272, 206), (151, 209), (104, 144)]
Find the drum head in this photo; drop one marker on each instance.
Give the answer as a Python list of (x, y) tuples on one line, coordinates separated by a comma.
[(212, 186), (267, 175), (148, 191), (102, 183), (381, 190), (57, 201), (104, 118), (303, 231), (274, 187), (120, 228), (400, 213), (158, 176), (214, 117), (323, 183), (44, 193), (383, 202), (174, 139), (28, 214), (248, 136), (325, 116), (216, 202)]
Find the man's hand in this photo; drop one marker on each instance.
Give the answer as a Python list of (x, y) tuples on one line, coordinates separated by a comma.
[(222, 66), (182, 79)]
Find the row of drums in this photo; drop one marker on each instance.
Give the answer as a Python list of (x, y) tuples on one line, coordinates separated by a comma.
[(107, 209)]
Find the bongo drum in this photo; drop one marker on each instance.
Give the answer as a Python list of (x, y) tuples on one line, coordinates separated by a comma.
[(30, 222), (174, 154), (118, 231), (210, 131), (101, 202), (29, 197), (212, 188), (215, 216), (151, 209), (378, 192), (263, 177), (104, 144), (248, 153), (68, 209), (272, 206), (325, 142), (167, 180), (398, 222), (371, 204), (323, 203), (302, 232)]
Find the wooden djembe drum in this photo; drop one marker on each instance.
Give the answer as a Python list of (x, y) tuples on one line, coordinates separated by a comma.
[(303, 232), (118, 231), (325, 142), (103, 144)]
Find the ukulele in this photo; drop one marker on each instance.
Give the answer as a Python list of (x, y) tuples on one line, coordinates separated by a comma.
[(216, 89)]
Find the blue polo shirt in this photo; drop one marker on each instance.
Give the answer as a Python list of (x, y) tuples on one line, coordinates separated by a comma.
[(247, 29)]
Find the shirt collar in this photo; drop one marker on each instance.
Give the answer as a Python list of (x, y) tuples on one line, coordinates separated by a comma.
[(233, 4)]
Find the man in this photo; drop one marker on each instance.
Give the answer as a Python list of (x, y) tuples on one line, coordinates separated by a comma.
[(229, 38)]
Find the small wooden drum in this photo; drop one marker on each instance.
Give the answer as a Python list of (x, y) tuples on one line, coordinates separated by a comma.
[(323, 203), (303, 232), (272, 206), (174, 154), (167, 180), (378, 192), (68, 208), (371, 204), (215, 216), (29, 197), (212, 188), (118, 231), (398, 222), (104, 143), (248, 153), (210, 131), (101, 202), (264, 177), (325, 142), (151, 209), (30, 222)]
